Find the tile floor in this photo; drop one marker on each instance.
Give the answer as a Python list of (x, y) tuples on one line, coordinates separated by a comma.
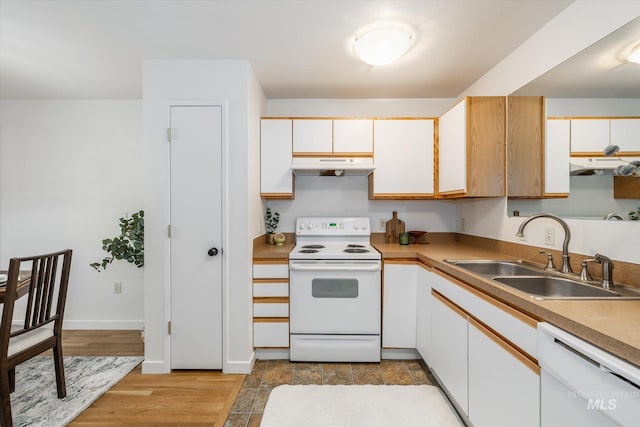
[(267, 374)]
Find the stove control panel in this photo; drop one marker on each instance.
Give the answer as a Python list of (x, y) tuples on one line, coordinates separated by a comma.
[(329, 226)]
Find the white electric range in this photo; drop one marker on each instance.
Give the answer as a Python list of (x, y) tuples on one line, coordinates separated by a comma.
[(335, 293)]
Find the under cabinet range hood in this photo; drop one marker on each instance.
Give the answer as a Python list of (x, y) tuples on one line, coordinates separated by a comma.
[(597, 165), (332, 166)]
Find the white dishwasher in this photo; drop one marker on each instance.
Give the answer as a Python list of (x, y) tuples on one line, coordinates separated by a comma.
[(583, 385)]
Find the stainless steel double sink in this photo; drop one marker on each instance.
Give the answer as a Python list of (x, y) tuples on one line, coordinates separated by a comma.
[(538, 283)]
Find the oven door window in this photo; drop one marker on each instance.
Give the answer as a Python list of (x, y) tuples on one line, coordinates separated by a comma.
[(334, 288)]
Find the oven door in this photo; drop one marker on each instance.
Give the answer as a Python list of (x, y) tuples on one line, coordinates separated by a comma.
[(335, 297)]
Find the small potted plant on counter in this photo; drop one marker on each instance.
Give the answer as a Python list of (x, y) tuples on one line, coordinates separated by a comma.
[(271, 220)]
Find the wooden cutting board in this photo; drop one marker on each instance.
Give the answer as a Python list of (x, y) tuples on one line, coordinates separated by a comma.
[(394, 227)]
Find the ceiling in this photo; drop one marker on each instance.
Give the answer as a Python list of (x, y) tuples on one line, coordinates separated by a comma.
[(93, 49), (600, 71)]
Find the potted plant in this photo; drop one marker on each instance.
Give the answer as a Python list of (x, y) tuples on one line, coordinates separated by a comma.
[(271, 220), (128, 246)]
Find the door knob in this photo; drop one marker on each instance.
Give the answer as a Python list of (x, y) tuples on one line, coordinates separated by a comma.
[(213, 251)]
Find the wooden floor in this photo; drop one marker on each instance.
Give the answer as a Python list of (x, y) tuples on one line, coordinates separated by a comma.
[(184, 398)]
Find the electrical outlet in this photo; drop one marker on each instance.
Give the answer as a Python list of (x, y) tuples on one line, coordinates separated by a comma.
[(549, 236), (382, 224), (463, 225), (117, 288)]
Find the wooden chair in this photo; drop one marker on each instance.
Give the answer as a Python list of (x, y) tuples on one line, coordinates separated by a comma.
[(42, 328)]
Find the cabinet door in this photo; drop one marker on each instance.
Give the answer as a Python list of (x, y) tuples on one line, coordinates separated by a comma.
[(312, 137), (399, 306), (449, 348), (403, 156), (589, 136), (556, 157), (276, 179), (423, 314), (452, 152), (501, 377), (625, 133), (353, 137)]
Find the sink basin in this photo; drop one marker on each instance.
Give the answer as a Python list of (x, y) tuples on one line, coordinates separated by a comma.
[(498, 267), (548, 287), (538, 283)]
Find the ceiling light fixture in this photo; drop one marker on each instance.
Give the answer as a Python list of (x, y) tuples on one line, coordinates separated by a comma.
[(383, 44), (634, 56)]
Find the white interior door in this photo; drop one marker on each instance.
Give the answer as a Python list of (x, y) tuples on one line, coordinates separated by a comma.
[(196, 236)]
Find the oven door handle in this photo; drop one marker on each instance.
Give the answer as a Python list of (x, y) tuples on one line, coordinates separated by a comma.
[(335, 267)]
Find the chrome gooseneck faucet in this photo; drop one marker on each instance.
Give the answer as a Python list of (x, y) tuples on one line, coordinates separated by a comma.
[(566, 266)]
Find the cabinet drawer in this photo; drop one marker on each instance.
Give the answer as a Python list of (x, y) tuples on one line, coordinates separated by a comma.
[(270, 309), (270, 289), (271, 271), (271, 334)]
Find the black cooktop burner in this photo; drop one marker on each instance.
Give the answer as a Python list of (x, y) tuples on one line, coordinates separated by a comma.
[(308, 251), (313, 247), (356, 251), (355, 246)]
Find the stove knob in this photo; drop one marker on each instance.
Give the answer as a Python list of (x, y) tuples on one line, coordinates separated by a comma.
[(309, 226), (356, 226), (364, 226), (301, 226)]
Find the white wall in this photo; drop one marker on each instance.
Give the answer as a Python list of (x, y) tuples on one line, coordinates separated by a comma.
[(68, 171), (348, 196), (233, 82), (576, 28)]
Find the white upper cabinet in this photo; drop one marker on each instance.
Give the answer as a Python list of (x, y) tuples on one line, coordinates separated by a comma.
[(556, 157), (312, 137), (589, 136), (353, 137), (625, 133), (276, 179), (452, 151), (403, 156)]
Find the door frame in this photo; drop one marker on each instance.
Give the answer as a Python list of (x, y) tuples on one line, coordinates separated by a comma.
[(207, 102)]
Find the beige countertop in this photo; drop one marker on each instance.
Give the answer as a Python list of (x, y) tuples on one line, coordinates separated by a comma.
[(611, 325)]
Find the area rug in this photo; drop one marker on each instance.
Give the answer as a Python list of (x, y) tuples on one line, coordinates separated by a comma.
[(358, 406), (35, 401)]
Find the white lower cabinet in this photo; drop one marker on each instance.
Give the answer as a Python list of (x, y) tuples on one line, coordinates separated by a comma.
[(423, 313), (271, 303), (504, 386), (481, 352), (449, 348), (399, 305)]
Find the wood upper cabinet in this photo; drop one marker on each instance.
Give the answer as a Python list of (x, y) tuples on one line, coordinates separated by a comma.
[(276, 178), (312, 137), (471, 148), (590, 135), (403, 157), (353, 137), (537, 157)]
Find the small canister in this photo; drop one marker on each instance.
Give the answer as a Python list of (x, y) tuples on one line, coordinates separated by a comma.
[(403, 238)]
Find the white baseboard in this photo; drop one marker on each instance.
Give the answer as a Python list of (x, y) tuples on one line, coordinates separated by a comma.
[(154, 367), (272, 353), (400, 353), (135, 325), (238, 367)]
